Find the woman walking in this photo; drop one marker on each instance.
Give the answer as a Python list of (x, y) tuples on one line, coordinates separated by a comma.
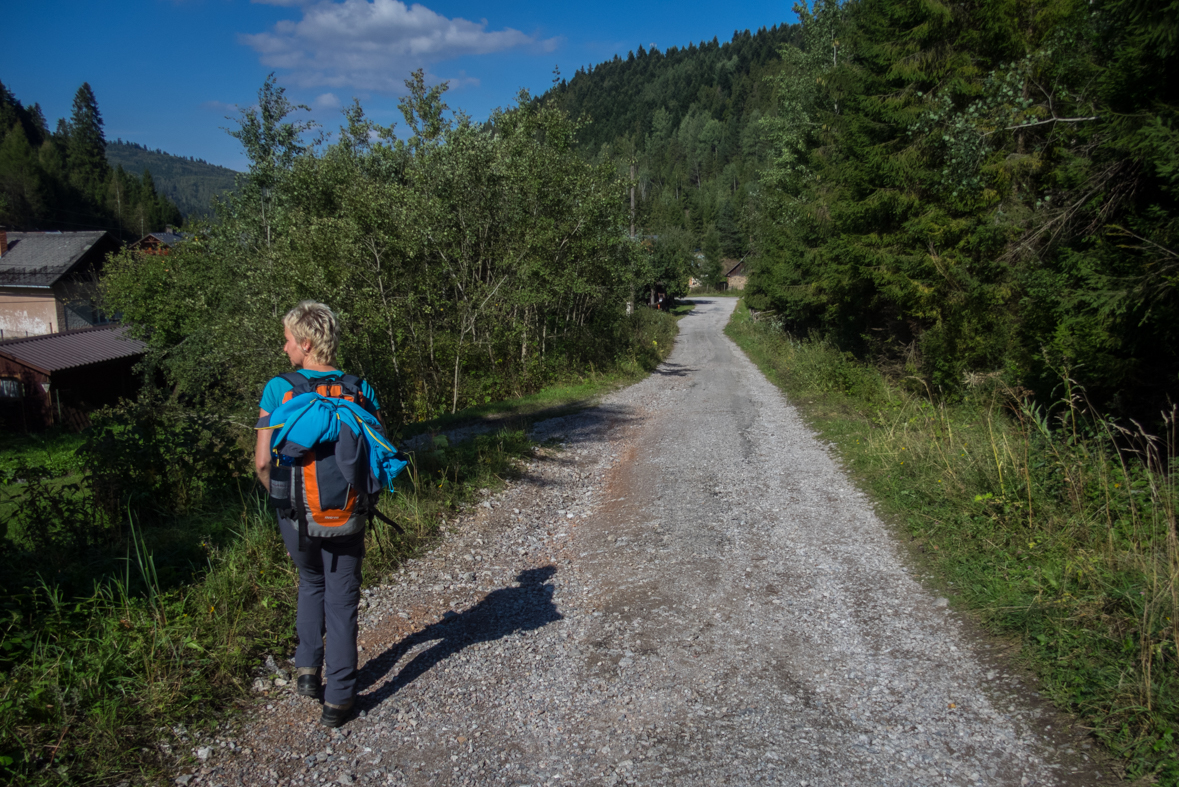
[(329, 565)]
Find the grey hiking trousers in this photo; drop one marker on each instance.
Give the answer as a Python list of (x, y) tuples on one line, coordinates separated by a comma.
[(329, 594)]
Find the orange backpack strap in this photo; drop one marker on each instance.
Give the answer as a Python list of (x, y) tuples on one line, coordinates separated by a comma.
[(299, 385), (351, 388), (334, 386)]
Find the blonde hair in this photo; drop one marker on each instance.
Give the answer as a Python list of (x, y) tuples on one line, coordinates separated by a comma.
[(315, 322)]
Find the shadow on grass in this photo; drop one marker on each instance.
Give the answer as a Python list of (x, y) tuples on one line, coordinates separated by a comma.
[(590, 416), (500, 614)]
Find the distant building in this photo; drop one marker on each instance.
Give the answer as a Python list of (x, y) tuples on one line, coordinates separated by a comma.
[(59, 378), (735, 275), (49, 281), (158, 242)]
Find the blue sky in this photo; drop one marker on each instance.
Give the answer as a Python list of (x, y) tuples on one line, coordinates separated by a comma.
[(167, 73)]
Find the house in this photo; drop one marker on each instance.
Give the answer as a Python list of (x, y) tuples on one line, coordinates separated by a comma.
[(160, 243), (49, 281), (735, 274), (59, 378)]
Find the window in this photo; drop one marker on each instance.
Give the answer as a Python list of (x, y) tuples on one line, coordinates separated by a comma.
[(10, 388)]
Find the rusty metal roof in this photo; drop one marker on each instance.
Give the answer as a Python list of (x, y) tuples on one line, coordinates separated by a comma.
[(53, 352)]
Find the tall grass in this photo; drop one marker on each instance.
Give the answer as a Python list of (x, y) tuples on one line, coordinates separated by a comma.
[(1051, 522), (92, 685), (89, 681)]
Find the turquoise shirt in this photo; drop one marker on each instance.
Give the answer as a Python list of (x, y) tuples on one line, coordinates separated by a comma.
[(274, 391)]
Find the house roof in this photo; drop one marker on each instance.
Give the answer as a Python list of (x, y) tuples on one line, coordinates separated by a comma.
[(54, 352), (734, 267), (164, 238), (39, 259)]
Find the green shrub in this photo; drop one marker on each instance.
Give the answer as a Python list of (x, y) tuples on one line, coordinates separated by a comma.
[(156, 458)]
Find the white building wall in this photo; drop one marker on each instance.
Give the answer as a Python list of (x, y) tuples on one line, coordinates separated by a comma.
[(25, 313)]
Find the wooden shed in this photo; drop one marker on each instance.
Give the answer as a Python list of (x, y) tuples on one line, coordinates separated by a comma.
[(735, 275), (59, 378)]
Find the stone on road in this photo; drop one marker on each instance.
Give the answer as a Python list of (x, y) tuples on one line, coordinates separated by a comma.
[(687, 590)]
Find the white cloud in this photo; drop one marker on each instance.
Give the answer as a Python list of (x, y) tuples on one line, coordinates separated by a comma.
[(327, 101), (221, 108), (374, 44)]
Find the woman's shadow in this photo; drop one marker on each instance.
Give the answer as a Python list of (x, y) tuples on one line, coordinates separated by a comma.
[(500, 613)]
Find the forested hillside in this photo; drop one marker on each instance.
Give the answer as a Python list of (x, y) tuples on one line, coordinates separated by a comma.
[(964, 192), (60, 180), (689, 121), (188, 182), (982, 191)]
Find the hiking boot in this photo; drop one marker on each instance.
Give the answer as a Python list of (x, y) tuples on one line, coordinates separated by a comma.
[(335, 715), (308, 683)]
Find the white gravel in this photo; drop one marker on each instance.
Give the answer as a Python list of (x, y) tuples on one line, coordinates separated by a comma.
[(687, 590)]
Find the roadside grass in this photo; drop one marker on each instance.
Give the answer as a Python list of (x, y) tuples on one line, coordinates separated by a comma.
[(103, 685), (704, 293), (122, 643), (1055, 526), (652, 342), (90, 681)]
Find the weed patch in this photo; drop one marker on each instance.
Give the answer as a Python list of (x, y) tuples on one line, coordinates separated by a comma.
[(175, 625), (1054, 525)]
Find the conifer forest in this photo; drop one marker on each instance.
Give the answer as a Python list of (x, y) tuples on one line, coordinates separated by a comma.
[(959, 191), (953, 189), (61, 179), (971, 189)]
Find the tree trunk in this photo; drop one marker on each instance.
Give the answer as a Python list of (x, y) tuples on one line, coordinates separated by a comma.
[(632, 200)]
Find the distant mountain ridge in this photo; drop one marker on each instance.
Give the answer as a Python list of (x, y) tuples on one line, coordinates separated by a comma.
[(190, 183), (686, 126), (620, 97)]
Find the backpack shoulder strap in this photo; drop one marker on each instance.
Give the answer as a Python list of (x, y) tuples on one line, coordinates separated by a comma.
[(299, 383), (351, 380), (353, 385)]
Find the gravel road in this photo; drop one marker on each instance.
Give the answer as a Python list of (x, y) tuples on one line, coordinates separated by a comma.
[(685, 588)]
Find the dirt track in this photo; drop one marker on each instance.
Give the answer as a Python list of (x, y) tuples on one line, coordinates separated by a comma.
[(688, 590)]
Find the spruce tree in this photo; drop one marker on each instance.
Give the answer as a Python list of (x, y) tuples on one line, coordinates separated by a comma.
[(86, 149)]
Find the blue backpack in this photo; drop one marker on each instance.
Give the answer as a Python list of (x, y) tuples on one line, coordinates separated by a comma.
[(330, 459)]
